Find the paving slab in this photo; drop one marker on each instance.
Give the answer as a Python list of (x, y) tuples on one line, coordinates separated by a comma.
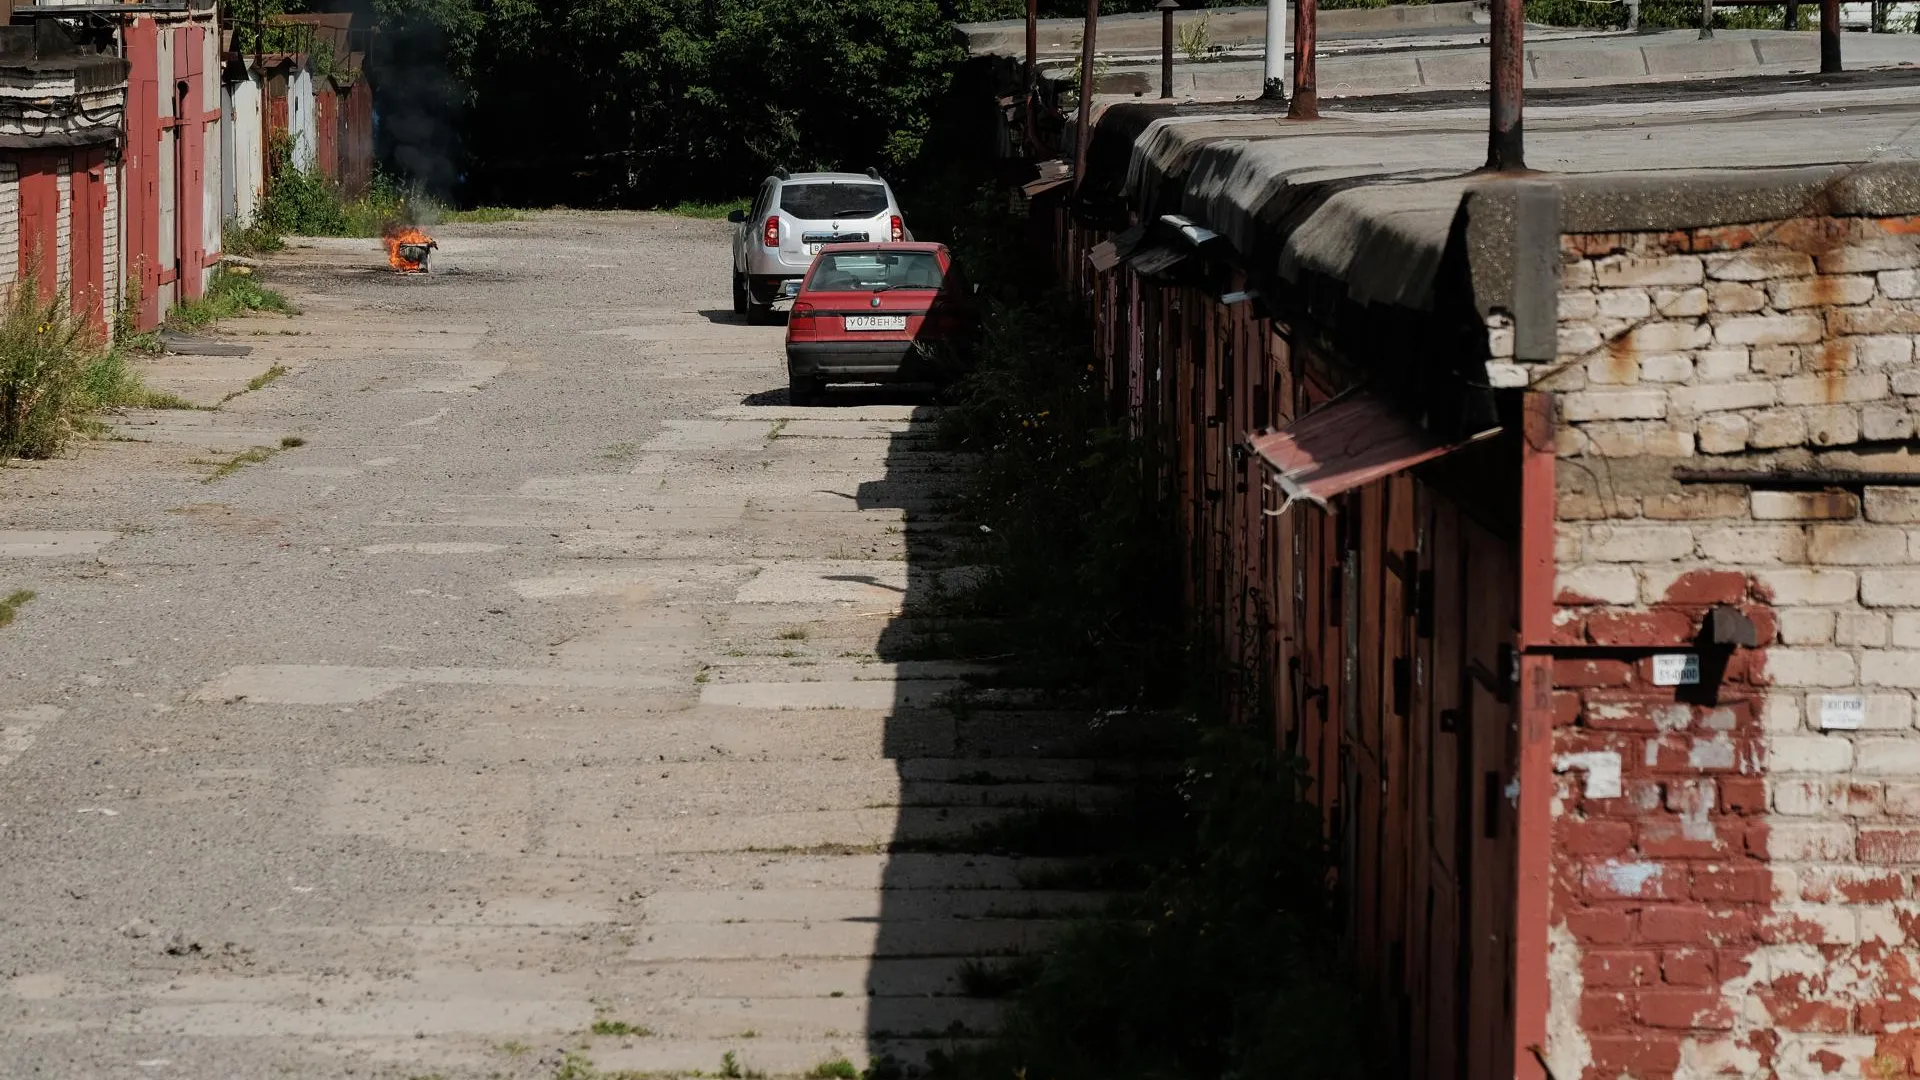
[(545, 680)]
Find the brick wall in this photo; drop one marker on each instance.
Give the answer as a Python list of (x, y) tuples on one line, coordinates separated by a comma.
[(9, 222), (1746, 903), (63, 223), (110, 253)]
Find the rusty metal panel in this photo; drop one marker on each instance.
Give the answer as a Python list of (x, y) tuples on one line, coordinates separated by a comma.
[(1368, 631), (1349, 443)]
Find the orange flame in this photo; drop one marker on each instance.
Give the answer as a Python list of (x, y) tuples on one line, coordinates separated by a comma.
[(409, 236)]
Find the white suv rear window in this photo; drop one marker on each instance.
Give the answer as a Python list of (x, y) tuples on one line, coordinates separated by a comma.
[(822, 202)]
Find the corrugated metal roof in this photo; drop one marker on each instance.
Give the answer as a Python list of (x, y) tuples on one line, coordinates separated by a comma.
[(1345, 443)]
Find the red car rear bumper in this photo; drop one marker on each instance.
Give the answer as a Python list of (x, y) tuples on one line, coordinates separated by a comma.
[(861, 361)]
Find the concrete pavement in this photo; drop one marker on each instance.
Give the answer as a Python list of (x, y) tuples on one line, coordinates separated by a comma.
[(555, 689)]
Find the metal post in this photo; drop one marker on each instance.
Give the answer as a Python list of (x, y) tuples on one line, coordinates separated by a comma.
[(1166, 8), (1706, 19), (1033, 42), (1505, 146), (1793, 15), (1276, 58), (1829, 36), (1306, 38), (1083, 129)]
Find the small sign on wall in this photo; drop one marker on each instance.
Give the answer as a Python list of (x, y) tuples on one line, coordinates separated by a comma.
[(1676, 669), (1842, 712)]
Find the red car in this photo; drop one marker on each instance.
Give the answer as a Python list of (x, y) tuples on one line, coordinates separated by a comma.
[(877, 313)]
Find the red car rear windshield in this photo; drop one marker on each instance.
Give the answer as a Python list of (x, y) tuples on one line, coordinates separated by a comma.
[(861, 271)]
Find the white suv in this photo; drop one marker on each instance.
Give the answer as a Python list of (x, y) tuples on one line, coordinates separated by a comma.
[(791, 218)]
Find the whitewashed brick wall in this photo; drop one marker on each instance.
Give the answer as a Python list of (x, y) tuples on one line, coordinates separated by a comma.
[(63, 224), (9, 222), (1786, 344)]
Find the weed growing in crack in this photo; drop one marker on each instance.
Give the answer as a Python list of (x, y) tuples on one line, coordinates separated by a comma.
[(731, 1068), (260, 382), (253, 456), (796, 633), (836, 1069)]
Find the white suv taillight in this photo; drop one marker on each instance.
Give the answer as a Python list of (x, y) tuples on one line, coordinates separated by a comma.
[(770, 236), (898, 232)]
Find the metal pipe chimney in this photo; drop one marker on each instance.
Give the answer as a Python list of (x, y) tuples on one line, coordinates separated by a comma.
[(1276, 60), (1166, 9), (1506, 150), (1083, 129), (1033, 42)]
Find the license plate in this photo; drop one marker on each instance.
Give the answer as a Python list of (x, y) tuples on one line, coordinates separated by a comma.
[(876, 322)]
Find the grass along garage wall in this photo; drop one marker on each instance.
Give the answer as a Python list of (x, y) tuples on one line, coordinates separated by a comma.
[(1739, 899)]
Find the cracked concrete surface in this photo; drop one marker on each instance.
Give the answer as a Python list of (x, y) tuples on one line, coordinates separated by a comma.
[(564, 673)]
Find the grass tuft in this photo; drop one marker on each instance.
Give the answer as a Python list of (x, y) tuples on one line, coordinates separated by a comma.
[(708, 211), (229, 294), (11, 604), (837, 1069), (111, 383), (604, 1026)]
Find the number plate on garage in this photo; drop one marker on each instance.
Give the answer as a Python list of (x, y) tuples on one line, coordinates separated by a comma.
[(876, 322)]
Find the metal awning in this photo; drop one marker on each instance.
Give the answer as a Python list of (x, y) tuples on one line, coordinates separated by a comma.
[(1052, 174), (1107, 254), (1156, 259), (1348, 442)]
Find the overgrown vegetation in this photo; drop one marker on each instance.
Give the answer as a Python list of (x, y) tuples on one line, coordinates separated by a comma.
[(57, 369), (1083, 570), (1665, 15), (230, 293), (710, 211), (1221, 961), (304, 202)]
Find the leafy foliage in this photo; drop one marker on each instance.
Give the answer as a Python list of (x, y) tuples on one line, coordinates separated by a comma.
[(653, 101)]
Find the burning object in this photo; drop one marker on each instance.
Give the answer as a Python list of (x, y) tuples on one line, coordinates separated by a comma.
[(409, 250)]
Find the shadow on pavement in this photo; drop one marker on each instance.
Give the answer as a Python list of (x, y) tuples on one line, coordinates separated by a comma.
[(978, 762)]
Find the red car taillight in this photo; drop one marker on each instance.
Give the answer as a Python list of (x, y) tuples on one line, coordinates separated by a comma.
[(770, 236), (801, 318), (898, 232)]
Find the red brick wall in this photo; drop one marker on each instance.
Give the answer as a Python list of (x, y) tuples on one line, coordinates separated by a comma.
[(1664, 889)]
